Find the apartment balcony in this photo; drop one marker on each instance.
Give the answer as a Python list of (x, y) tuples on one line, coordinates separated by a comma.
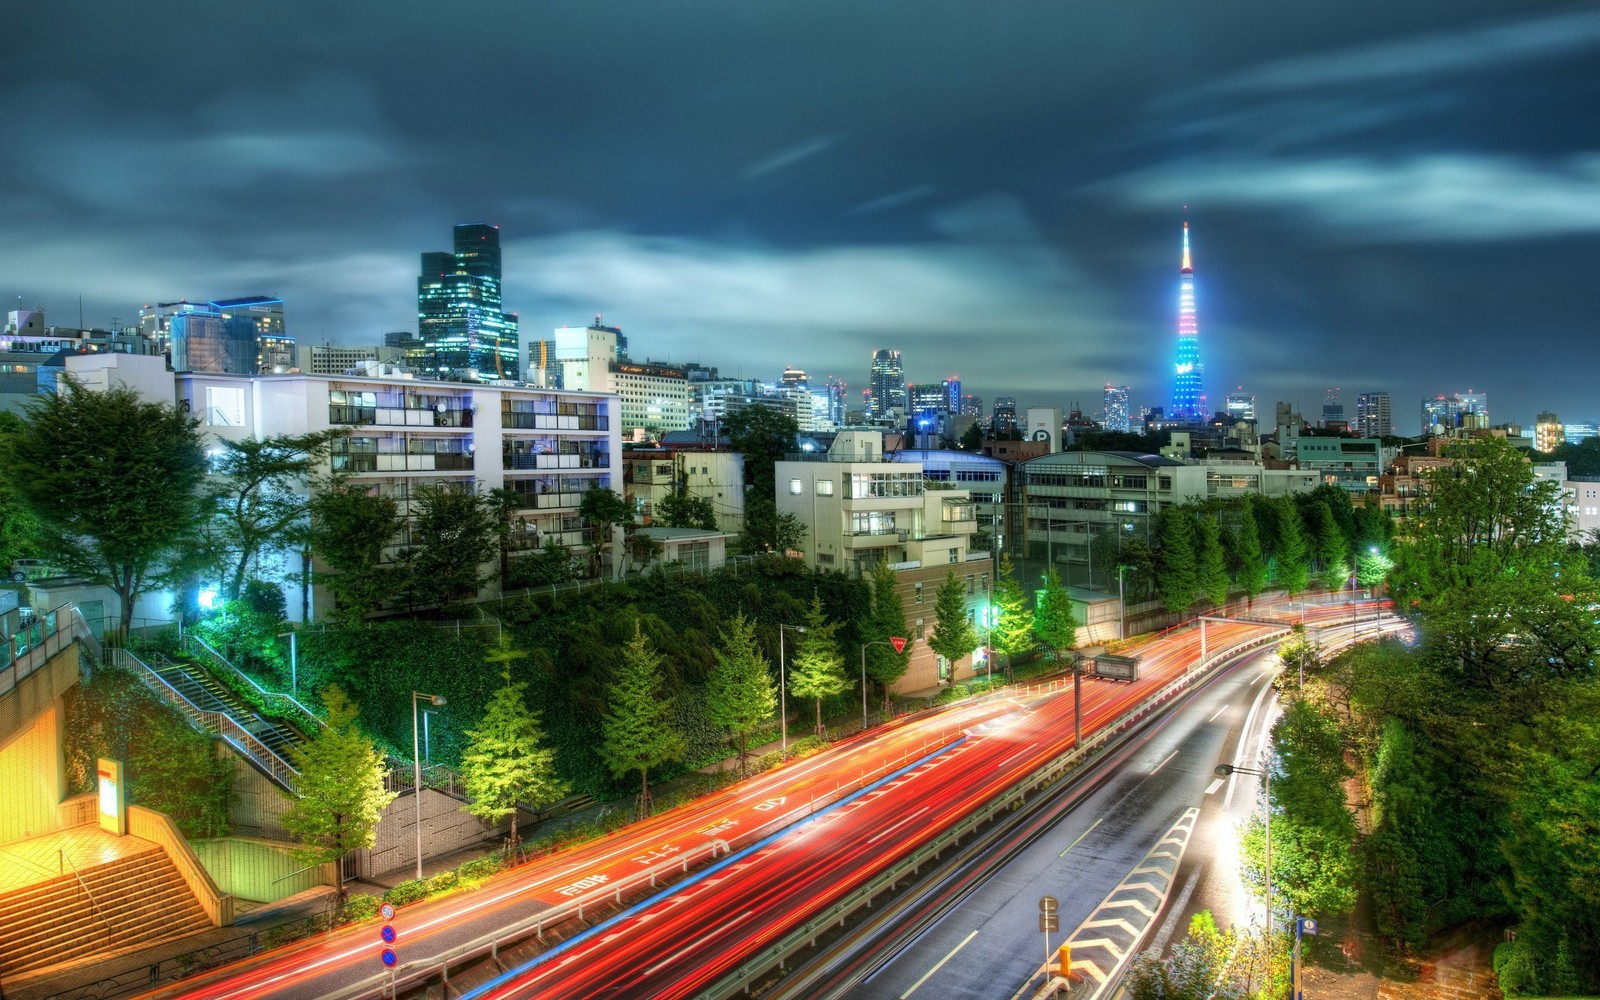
[(346, 414), (581, 460), (553, 422)]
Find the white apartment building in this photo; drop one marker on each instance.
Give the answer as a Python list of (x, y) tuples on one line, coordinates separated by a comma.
[(548, 446), (716, 476), (859, 508)]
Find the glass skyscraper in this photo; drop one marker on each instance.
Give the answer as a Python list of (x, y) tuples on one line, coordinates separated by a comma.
[(460, 321), (887, 383)]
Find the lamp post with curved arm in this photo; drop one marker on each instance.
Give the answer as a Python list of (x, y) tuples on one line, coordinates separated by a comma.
[(416, 764), (1223, 770), (783, 688), (898, 644)]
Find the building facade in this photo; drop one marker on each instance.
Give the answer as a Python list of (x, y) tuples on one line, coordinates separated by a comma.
[(1114, 410), (466, 334), (1374, 415), (886, 385)]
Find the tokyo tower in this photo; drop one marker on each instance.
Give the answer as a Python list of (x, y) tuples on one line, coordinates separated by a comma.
[(1188, 392)]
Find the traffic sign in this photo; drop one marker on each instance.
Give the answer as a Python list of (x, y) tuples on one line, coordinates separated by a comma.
[(388, 934), (1049, 922), (898, 642), (1048, 904), (389, 957), (386, 911)]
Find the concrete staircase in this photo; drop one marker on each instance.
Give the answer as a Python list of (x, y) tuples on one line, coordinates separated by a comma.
[(137, 901), (208, 694)]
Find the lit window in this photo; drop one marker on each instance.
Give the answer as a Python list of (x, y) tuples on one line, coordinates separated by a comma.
[(824, 487), (919, 593), (795, 488)]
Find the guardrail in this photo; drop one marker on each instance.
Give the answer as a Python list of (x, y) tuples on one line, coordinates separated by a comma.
[(33, 644), (240, 738), (490, 944)]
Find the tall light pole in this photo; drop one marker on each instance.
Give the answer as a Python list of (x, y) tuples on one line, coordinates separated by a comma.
[(783, 688), (294, 671), (1223, 770), (435, 700), (1122, 605), (898, 643)]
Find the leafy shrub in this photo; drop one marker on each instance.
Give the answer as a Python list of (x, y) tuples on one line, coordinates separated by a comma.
[(409, 891), (357, 908)]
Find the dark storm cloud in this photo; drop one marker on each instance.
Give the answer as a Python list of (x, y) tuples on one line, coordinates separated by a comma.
[(1381, 195)]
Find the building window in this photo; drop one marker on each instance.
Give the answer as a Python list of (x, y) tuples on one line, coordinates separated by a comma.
[(795, 488), (919, 592), (824, 487), (224, 406), (970, 584), (955, 555), (825, 558)]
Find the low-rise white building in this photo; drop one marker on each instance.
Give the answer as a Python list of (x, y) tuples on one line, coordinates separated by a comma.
[(546, 446)]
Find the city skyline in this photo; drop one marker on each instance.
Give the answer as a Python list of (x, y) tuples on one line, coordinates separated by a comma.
[(1384, 203)]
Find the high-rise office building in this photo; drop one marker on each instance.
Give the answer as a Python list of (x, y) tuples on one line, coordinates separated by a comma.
[(1374, 417), (1456, 411), (1240, 405), (972, 406), (1548, 434), (1188, 386), (543, 368), (952, 394), (1114, 408), (1005, 415), (838, 400), (887, 384), (794, 378), (1332, 407), (464, 330), (929, 399)]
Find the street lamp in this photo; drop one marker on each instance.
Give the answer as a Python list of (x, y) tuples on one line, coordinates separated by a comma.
[(783, 688), (1223, 770), (294, 672), (899, 646), (435, 700)]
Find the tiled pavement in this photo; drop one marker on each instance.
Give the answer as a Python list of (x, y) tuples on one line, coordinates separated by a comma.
[(26, 862)]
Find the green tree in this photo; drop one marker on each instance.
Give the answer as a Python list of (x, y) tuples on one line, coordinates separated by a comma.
[(19, 529), (766, 530), (1178, 580), (1332, 547), (888, 618), (601, 509), (637, 727), (764, 436), (682, 509), (113, 483), (505, 761), (453, 530), (1212, 572), (817, 670), (953, 636), (1199, 968), (350, 525), (740, 696), (1313, 834), (972, 438), (259, 485), (1053, 626), (1013, 624), (503, 504), (1300, 653), (339, 796), (1293, 561), (1252, 565)]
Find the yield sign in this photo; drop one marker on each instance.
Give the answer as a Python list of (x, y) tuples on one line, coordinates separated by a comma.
[(898, 642)]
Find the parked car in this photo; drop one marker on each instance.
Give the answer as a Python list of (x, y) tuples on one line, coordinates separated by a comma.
[(23, 570)]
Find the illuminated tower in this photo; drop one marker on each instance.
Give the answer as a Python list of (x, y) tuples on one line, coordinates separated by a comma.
[(1188, 392)]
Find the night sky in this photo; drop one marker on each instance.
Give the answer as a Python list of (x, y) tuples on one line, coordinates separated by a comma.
[(1399, 196)]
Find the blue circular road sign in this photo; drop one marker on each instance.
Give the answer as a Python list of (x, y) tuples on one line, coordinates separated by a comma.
[(388, 934), (389, 957)]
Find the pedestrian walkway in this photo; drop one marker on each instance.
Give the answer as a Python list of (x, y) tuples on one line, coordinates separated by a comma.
[(39, 859)]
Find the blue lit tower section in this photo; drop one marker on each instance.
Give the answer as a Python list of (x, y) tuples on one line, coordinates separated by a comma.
[(1188, 392)]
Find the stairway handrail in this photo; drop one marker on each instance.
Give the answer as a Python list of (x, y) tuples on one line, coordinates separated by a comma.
[(62, 854), (190, 637), (220, 723)]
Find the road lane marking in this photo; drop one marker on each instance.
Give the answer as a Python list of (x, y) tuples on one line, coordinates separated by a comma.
[(896, 826), (1164, 761), (1082, 835), (697, 942), (1220, 711), (936, 968), (1215, 784)]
